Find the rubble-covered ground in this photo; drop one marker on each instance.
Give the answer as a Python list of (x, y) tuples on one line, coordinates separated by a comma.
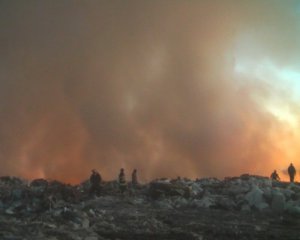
[(245, 207)]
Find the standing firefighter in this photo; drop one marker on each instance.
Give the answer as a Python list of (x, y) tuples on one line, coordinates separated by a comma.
[(274, 176), (292, 172), (95, 180), (122, 181), (134, 180)]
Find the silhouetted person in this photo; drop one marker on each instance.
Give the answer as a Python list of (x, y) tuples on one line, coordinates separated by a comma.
[(274, 176), (122, 181), (134, 180), (95, 180), (292, 172)]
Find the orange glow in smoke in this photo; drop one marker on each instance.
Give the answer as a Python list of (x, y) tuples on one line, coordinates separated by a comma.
[(171, 88)]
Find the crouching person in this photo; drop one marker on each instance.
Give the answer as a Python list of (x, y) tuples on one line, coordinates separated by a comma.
[(274, 176)]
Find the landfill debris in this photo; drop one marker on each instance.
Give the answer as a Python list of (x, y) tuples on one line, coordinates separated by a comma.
[(245, 207)]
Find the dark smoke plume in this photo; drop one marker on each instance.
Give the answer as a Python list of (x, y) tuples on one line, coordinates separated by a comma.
[(139, 84)]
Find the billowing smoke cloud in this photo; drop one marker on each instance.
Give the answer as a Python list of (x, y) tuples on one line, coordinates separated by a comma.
[(151, 85)]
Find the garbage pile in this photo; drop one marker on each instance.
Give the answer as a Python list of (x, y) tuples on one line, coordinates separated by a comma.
[(245, 207), (245, 193)]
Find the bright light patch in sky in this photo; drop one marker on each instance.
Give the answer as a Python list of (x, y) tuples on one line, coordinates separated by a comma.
[(285, 84)]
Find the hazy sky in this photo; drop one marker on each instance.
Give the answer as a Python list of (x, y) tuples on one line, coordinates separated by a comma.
[(191, 88)]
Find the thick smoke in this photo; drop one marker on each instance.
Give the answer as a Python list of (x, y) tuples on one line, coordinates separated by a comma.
[(140, 84)]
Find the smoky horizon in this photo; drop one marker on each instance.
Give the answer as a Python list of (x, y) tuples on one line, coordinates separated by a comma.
[(171, 88)]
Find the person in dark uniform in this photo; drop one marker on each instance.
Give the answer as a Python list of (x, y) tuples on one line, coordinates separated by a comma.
[(122, 181), (274, 176), (134, 180), (292, 172), (95, 181)]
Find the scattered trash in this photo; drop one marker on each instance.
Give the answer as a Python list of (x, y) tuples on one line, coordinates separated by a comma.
[(53, 210)]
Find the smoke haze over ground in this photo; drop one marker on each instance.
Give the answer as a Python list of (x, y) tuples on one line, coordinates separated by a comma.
[(190, 88)]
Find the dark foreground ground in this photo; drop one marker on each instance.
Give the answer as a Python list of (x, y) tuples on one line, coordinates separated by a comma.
[(231, 209)]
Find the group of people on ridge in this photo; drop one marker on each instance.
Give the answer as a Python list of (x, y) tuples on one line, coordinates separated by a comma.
[(96, 179), (291, 172)]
